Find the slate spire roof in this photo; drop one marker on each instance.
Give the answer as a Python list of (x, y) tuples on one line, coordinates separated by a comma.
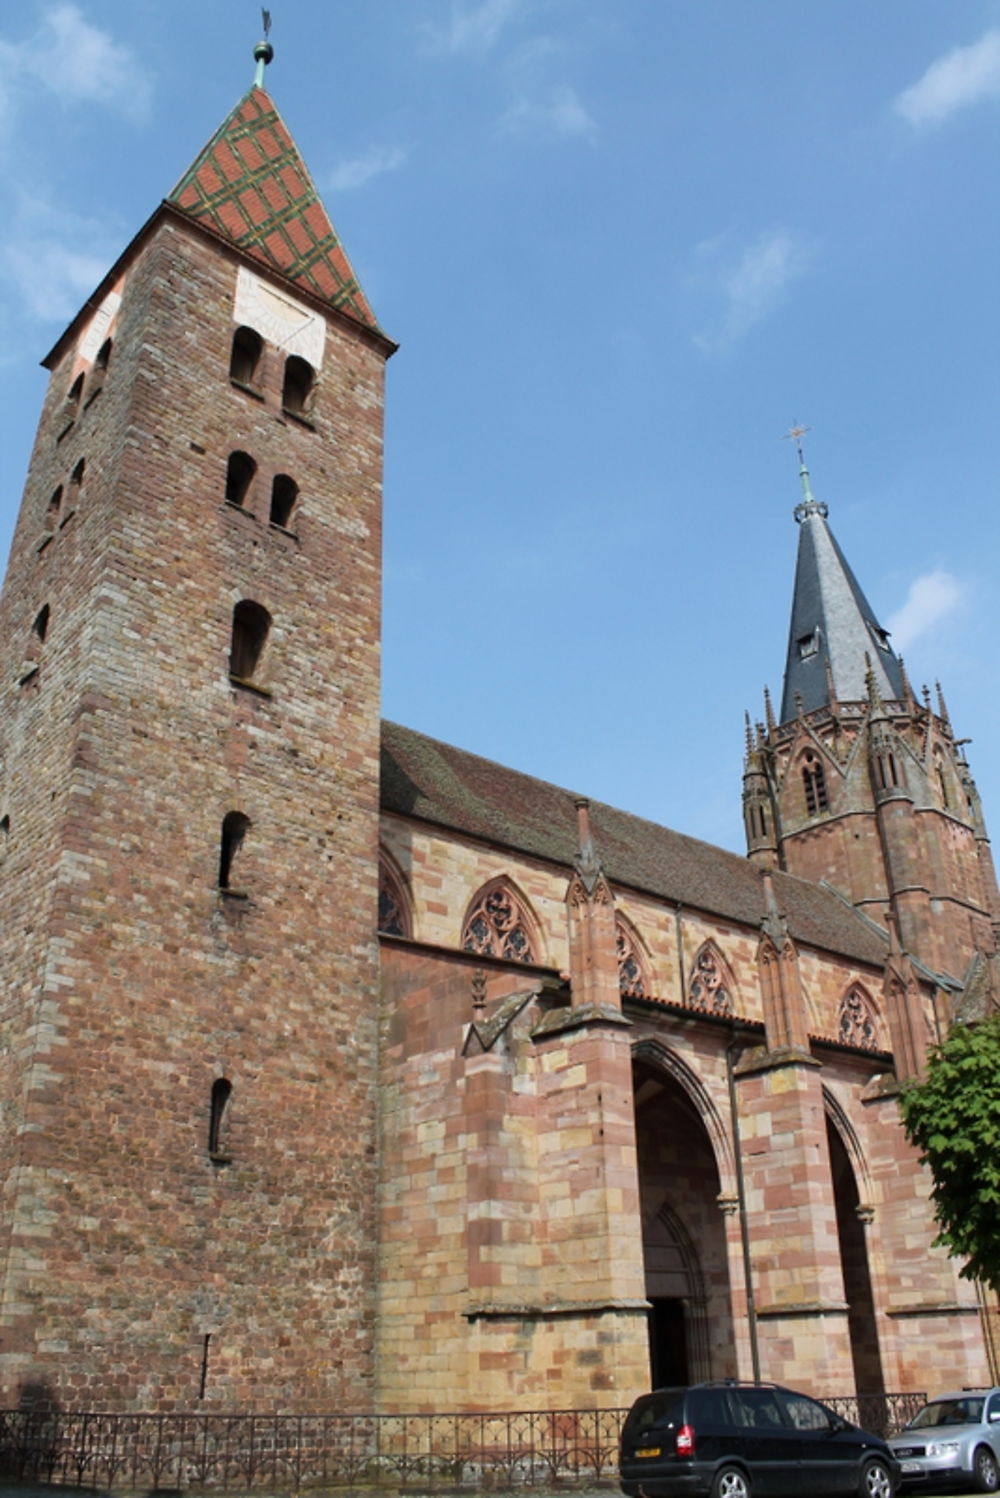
[(834, 635), (251, 187)]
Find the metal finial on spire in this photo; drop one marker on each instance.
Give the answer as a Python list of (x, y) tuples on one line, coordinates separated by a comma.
[(809, 504), (263, 52)]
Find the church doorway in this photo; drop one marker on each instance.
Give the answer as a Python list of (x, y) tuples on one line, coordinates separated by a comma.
[(684, 1241), (862, 1326)]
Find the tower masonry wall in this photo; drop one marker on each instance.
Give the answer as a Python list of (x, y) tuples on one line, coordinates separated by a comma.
[(160, 1256)]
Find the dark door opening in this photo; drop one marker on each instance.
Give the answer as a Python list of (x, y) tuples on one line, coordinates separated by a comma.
[(668, 1353)]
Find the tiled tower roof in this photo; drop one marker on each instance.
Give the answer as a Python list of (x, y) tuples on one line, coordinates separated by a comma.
[(250, 186), (834, 636)]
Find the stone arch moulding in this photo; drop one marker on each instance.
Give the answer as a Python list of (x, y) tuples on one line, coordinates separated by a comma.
[(711, 986), (859, 1022), (661, 1058), (837, 1114), (499, 923), (633, 961), (395, 906)]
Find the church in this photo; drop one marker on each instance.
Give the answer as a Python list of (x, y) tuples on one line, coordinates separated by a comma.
[(342, 1070)]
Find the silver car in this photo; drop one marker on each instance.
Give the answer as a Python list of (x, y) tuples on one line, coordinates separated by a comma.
[(954, 1441)]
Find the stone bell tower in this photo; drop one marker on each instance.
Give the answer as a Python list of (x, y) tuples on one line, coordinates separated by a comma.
[(188, 816), (860, 783)]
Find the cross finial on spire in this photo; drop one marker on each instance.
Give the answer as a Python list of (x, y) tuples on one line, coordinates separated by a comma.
[(263, 52), (809, 505)]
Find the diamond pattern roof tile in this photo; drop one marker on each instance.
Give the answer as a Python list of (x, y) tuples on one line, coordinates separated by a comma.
[(251, 186)]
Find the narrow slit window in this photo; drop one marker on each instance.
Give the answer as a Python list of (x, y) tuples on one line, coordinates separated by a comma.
[(284, 493), (240, 472), (74, 393), (222, 1090), (251, 627), (100, 369), (234, 830), (244, 360), (55, 503), (814, 784), (300, 379), (76, 484), (41, 625)]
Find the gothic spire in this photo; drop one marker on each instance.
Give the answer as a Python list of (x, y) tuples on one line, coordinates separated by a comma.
[(833, 625)]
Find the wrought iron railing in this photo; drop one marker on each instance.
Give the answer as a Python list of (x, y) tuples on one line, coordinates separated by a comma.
[(516, 1449)]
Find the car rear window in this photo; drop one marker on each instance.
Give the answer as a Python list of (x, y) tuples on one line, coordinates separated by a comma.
[(655, 1411)]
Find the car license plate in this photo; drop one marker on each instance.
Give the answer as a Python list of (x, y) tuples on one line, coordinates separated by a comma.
[(649, 1451), (909, 1466)]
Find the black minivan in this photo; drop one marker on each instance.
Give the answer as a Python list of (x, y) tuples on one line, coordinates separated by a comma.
[(731, 1440)]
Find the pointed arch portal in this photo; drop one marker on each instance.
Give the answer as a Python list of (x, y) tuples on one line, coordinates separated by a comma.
[(691, 1333)]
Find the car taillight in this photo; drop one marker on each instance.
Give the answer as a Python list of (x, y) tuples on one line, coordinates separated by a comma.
[(685, 1441)]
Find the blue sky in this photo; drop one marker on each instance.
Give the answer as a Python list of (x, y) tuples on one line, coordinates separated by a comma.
[(624, 245)]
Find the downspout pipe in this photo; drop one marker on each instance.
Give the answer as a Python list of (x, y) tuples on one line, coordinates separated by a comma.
[(734, 1049)]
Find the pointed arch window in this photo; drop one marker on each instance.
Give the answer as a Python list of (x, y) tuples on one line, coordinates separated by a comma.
[(76, 484), (74, 393), (886, 770), (244, 358), (284, 493), (633, 979), (298, 386), (497, 925), (814, 785), (40, 627), (393, 905), (55, 504), (99, 372), (857, 1022), (251, 627), (240, 472), (711, 985)]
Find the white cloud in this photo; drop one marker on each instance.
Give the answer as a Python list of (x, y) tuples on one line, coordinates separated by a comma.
[(52, 278), (964, 76), (358, 170), (930, 599), (752, 284), (77, 63), (558, 112), (472, 28)]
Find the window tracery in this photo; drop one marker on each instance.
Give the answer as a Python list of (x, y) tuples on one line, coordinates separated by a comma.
[(393, 909), (858, 1024), (814, 783), (632, 981), (710, 985), (496, 926)]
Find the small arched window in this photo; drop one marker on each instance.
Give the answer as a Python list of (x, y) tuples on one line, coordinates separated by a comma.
[(284, 493), (222, 1090), (55, 504), (74, 392), (234, 830), (814, 785), (497, 926), (251, 627), (100, 369), (40, 627), (296, 393), (244, 359), (239, 476), (4, 837)]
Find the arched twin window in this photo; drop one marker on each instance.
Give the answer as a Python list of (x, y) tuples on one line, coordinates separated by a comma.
[(298, 386), (244, 358)]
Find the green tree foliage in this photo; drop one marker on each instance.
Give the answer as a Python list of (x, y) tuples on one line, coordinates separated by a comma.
[(953, 1118)]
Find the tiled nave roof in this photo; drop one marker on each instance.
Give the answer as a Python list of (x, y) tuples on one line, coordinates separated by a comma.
[(450, 788)]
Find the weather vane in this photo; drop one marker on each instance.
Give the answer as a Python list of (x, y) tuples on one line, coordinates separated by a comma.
[(795, 434), (266, 18)]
